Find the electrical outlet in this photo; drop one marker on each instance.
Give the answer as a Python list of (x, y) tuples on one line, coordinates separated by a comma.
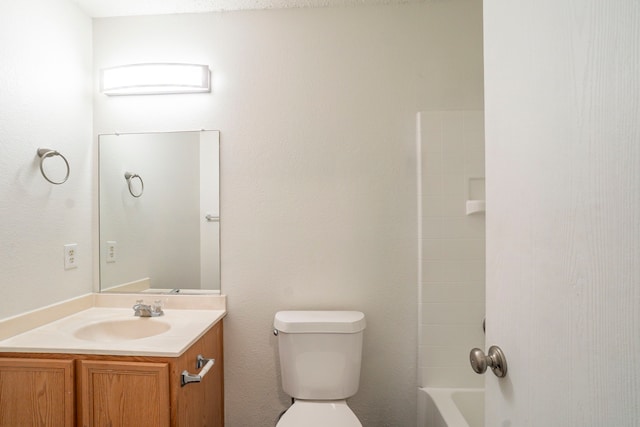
[(70, 256), (111, 251)]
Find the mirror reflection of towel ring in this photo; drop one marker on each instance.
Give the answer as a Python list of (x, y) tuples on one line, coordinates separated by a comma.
[(44, 153), (129, 177)]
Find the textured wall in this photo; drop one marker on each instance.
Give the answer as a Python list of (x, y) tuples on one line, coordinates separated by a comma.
[(100, 8), (316, 109), (45, 101)]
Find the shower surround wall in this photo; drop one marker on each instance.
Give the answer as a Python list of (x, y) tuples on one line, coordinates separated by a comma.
[(452, 250)]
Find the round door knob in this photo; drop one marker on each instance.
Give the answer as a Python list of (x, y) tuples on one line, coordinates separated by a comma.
[(494, 359)]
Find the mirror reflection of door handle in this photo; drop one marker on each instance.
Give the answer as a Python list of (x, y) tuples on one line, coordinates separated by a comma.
[(212, 218), (495, 360)]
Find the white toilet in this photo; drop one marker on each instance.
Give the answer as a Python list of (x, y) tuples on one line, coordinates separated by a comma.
[(320, 355)]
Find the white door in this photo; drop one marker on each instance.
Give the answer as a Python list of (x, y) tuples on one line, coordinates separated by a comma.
[(563, 211)]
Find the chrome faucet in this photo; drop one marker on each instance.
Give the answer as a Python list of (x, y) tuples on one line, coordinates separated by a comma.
[(145, 310)]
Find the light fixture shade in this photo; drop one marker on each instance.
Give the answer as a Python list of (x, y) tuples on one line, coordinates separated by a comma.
[(155, 79)]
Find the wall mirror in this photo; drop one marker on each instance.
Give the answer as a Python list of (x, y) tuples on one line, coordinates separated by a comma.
[(159, 212)]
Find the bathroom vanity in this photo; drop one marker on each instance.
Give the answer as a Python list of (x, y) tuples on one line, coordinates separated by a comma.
[(119, 379)]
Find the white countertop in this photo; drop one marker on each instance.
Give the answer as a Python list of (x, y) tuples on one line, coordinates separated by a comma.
[(187, 325)]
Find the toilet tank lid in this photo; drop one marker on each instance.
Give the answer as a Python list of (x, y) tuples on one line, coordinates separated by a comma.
[(299, 322)]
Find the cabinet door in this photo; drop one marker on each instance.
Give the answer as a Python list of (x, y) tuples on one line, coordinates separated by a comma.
[(36, 392), (123, 394), (202, 404)]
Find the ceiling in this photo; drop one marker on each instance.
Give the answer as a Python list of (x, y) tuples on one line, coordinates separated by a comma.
[(105, 8)]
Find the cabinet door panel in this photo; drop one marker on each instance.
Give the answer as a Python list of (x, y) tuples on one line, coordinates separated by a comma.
[(201, 404), (123, 394), (36, 392)]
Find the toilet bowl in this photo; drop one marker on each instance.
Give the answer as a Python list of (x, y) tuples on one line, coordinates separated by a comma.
[(313, 413), (320, 359)]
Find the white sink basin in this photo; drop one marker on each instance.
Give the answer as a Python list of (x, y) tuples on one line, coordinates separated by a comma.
[(122, 329), (104, 324)]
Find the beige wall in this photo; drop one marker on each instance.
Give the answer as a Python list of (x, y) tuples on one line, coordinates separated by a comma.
[(45, 101), (316, 109)]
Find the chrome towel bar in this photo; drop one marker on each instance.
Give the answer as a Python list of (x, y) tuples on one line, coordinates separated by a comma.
[(212, 218), (196, 378)]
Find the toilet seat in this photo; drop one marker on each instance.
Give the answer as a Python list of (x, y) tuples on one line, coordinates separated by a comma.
[(319, 413)]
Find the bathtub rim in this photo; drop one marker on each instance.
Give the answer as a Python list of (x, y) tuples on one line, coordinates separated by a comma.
[(442, 398)]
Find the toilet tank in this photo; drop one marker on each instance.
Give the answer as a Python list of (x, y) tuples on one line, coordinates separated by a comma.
[(320, 353)]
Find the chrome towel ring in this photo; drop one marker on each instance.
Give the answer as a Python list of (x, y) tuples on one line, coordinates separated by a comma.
[(129, 177), (45, 153)]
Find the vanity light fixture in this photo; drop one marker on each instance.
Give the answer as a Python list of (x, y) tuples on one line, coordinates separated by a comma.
[(155, 79)]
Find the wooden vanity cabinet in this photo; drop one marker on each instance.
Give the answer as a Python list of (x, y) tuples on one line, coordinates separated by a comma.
[(115, 391), (199, 404), (123, 393), (36, 392)]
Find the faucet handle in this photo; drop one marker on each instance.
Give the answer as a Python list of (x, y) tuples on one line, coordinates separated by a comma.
[(157, 306), (137, 308)]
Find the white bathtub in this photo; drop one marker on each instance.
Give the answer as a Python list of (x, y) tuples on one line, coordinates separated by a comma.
[(450, 407)]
